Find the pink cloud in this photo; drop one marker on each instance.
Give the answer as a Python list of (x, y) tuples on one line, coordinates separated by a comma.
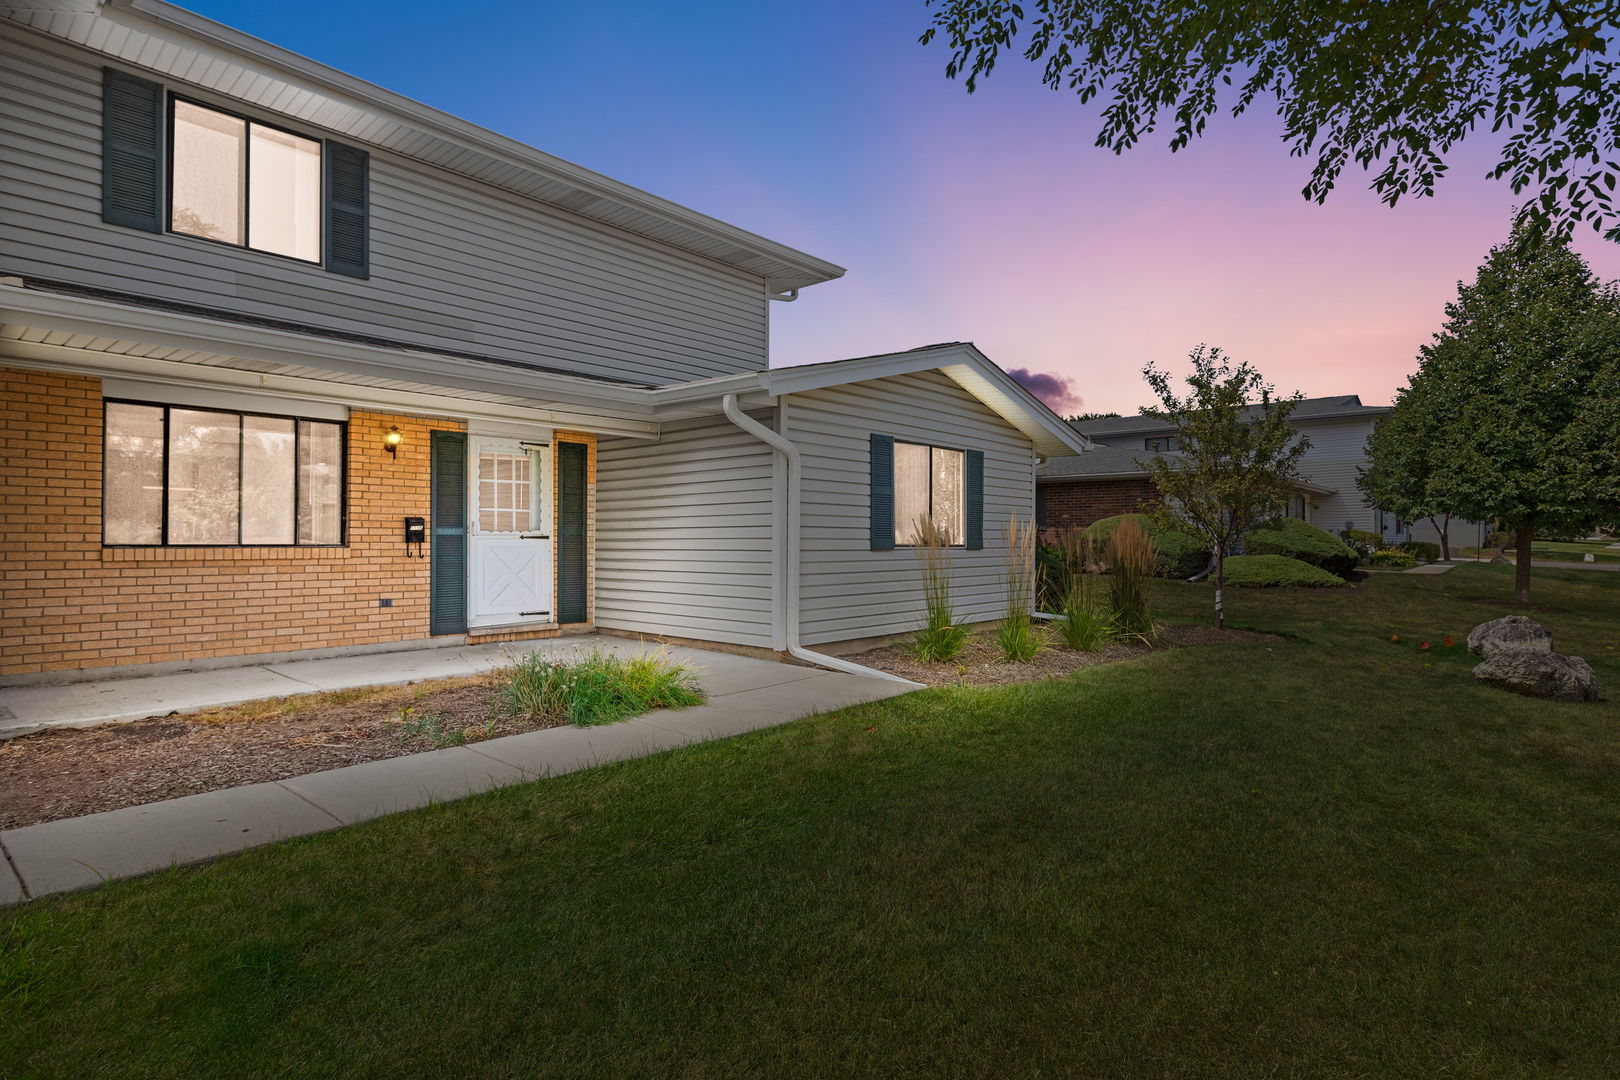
[(1056, 390)]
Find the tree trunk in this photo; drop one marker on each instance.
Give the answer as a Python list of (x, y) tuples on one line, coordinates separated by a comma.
[(1442, 526), (1524, 538), (1220, 588)]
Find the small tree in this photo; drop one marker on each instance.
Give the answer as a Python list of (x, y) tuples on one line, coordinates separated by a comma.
[(1406, 472), (1237, 463)]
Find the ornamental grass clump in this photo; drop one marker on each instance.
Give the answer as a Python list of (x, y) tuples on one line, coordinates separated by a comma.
[(596, 687), (1131, 561), (1017, 636), (1083, 621), (940, 638)]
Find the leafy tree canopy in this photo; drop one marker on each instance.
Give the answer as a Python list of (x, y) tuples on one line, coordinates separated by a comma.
[(1391, 85), (1517, 398)]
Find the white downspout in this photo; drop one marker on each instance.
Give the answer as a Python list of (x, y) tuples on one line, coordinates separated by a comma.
[(790, 550)]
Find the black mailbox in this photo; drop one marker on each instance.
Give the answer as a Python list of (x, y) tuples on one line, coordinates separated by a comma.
[(415, 535)]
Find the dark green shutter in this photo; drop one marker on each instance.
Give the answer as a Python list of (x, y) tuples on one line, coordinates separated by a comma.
[(974, 497), (447, 575), (348, 210), (571, 538), (882, 493), (131, 151)]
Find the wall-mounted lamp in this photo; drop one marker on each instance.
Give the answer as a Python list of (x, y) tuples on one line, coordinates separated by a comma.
[(392, 439)]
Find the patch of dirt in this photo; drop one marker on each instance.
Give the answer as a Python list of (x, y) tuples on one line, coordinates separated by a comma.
[(980, 662), (66, 772)]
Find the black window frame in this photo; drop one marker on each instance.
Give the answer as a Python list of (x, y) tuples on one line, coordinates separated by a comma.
[(247, 181), (163, 523), (1174, 444), (961, 543)]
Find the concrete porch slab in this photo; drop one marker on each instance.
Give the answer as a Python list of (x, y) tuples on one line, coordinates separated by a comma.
[(11, 890), (75, 852), (31, 708)]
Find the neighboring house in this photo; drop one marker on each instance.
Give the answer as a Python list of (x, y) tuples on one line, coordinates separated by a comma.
[(1111, 480), (292, 363)]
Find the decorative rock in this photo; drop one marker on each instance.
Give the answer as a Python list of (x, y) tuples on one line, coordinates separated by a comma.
[(1539, 674), (1509, 632)]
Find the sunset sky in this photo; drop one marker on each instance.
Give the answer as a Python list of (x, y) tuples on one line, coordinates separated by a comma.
[(988, 218)]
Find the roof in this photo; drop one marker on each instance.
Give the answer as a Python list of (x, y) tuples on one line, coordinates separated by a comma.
[(960, 361), (1121, 463), (95, 333), (180, 45), (1100, 463), (1309, 410)]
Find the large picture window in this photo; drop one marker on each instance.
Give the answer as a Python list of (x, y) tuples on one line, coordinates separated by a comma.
[(202, 477), (928, 483), (244, 183)]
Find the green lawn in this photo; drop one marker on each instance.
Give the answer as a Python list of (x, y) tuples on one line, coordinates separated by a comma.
[(1574, 550), (1331, 856)]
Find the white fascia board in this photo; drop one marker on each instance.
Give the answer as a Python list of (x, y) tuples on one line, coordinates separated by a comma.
[(965, 365), (1079, 478), (150, 326), (25, 354), (374, 98)]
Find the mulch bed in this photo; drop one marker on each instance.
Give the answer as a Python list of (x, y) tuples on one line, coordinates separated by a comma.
[(980, 662), (66, 772)]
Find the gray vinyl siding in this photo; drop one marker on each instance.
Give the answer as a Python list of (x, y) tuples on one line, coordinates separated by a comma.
[(455, 264), (1338, 452), (684, 534), (849, 591)]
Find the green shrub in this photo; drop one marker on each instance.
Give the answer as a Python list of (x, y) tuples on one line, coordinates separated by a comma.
[(1019, 640), (1394, 558), (1180, 554), (1300, 540), (596, 687), (1422, 549), (1362, 542), (1261, 571), (935, 644)]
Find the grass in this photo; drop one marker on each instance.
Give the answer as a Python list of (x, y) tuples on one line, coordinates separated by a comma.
[(1328, 856)]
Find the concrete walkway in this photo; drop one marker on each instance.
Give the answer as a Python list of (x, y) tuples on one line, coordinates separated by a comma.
[(1430, 568), (744, 694)]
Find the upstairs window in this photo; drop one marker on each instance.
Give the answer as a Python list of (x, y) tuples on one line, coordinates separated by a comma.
[(172, 165), (1161, 443), (244, 183), (202, 477), (929, 482)]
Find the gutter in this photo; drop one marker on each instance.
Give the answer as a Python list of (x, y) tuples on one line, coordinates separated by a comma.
[(788, 604)]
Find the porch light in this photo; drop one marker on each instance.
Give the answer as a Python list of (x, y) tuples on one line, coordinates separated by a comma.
[(392, 440)]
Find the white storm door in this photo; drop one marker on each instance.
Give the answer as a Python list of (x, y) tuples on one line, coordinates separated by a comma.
[(510, 552)]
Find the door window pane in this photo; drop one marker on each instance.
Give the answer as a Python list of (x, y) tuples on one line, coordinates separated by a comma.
[(132, 496), (204, 449), (910, 490), (207, 182), (284, 193), (320, 483), (949, 469), (267, 480), (505, 492)]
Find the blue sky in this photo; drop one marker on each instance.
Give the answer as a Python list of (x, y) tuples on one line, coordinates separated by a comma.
[(988, 218)]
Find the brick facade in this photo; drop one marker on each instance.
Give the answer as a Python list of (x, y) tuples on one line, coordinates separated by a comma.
[(67, 603), (1065, 503)]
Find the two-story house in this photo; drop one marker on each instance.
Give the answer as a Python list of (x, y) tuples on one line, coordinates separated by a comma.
[(291, 363), (1112, 479)]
